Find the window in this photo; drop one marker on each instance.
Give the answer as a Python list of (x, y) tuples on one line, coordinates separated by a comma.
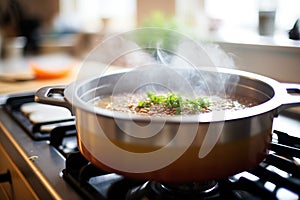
[(244, 14)]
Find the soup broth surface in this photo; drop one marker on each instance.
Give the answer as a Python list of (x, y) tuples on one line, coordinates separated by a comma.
[(143, 104)]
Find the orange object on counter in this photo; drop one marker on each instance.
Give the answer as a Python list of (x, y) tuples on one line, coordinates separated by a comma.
[(42, 72)]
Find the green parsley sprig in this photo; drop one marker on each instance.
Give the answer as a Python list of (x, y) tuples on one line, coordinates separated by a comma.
[(173, 101)]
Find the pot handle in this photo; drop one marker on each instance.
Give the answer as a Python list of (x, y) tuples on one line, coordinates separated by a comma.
[(293, 97), (53, 95)]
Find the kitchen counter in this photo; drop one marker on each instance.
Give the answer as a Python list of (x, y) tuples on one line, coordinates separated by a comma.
[(26, 86), (278, 62), (20, 65)]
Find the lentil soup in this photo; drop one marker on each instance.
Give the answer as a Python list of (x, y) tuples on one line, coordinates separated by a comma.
[(168, 104)]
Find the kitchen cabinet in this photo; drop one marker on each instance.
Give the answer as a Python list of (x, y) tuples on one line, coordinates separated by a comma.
[(19, 187)]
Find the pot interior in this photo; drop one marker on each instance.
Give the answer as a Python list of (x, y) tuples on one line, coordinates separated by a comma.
[(182, 81)]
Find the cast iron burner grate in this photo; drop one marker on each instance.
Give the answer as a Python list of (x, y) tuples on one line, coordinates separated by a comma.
[(12, 106), (277, 177), (93, 183), (192, 191), (63, 142)]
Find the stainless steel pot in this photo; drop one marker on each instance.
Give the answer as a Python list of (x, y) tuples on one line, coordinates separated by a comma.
[(174, 149)]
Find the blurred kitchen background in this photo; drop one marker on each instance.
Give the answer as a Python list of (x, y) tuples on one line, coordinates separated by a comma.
[(261, 35)]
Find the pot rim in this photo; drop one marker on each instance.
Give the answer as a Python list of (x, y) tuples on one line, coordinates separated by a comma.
[(71, 96)]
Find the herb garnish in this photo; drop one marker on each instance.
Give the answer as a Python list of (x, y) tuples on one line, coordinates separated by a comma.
[(174, 103)]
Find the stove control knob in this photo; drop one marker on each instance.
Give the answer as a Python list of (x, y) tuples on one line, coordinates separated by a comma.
[(6, 177)]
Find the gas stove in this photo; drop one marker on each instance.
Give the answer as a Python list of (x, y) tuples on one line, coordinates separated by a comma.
[(41, 159)]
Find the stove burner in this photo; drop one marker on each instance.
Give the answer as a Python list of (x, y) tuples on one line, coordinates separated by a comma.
[(34, 130), (62, 141), (189, 191)]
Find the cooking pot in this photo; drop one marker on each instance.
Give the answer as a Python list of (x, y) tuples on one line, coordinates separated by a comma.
[(174, 149)]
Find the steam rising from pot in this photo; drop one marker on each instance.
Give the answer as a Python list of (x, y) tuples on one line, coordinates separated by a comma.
[(169, 50)]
